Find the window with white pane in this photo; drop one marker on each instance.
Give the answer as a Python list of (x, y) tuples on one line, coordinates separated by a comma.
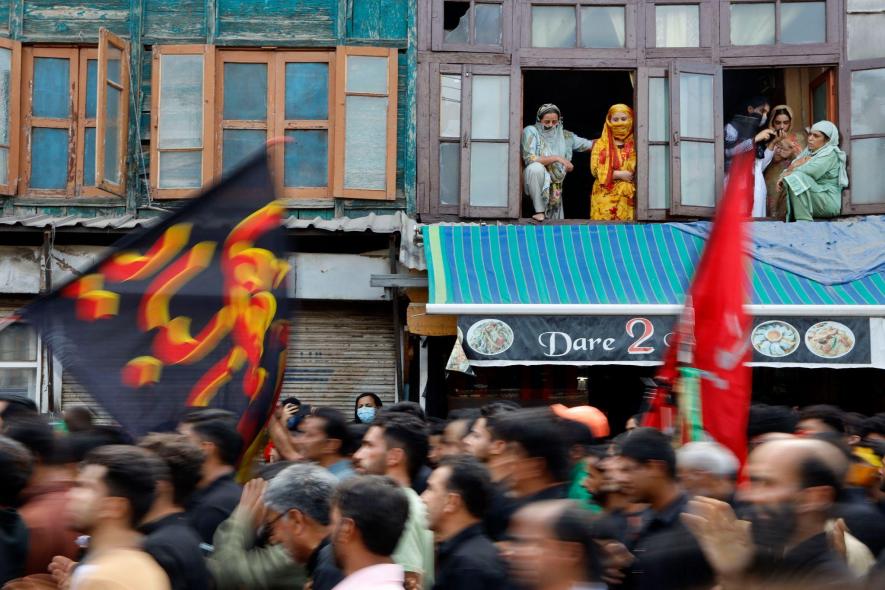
[(867, 149), (865, 26), (471, 24), (591, 25), (777, 22), (19, 360), (677, 25), (472, 150), (658, 159)]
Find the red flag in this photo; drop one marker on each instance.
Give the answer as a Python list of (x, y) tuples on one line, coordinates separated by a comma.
[(713, 332)]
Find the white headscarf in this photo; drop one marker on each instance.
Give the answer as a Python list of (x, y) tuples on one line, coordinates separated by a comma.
[(553, 139)]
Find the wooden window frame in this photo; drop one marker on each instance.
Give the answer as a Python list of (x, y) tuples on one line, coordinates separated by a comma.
[(632, 31), (83, 123), (438, 70), (108, 40), (438, 33), (848, 208), (281, 124), (221, 124), (676, 206), (208, 148), (14, 109), (827, 79), (832, 18), (707, 14), (643, 209), (75, 154), (392, 55)]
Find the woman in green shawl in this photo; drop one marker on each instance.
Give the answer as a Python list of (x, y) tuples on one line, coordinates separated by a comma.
[(814, 181)]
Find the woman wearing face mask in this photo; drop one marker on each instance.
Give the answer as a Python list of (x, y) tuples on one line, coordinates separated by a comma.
[(365, 408), (814, 181), (547, 153), (613, 163)]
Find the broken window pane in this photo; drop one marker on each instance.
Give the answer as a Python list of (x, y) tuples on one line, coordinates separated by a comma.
[(752, 24), (602, 27), (245, 91), (698, 174), (450, 106), (803, 22), (865, 38), (449, 173), (491, 107), (488, 30), (867, 86), (51, 94), (456, 22), (307, 91), (867, 176), (696, 105), (50, 170), (365, 142), (488, 174), (658, 109), (658, 176), (306, 161), (553, 26), (677, 25)]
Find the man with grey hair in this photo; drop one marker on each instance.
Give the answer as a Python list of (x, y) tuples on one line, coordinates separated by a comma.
[(298, 502), (707, 468)]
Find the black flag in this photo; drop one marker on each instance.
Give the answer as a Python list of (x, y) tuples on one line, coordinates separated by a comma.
[(188, 312)]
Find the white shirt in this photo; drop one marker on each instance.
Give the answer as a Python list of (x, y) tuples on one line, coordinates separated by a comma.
[(386, 576)]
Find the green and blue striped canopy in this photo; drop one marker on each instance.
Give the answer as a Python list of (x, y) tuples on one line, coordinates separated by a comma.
[(597, 265)]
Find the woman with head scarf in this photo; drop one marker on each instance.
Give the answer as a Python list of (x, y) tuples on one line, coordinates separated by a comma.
[(613, 163), (784, 151), (814, 181), (547, 155)]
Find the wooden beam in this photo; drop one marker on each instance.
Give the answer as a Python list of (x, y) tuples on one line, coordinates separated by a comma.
[(398, 280), (421, 323)]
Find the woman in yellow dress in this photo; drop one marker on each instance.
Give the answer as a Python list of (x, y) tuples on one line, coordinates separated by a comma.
[(613, 163)]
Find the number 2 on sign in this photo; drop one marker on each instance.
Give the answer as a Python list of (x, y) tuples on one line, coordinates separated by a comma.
[(648, 330)]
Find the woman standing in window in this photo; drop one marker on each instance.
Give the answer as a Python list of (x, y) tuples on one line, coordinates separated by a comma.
[(613, 163), (547, 155), (814, 181), (784, 152)]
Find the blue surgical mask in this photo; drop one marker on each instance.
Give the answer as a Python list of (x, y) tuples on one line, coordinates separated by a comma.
[(366, 414)]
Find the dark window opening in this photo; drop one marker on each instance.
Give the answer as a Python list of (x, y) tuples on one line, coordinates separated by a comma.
[(456, 22), (584, 98)]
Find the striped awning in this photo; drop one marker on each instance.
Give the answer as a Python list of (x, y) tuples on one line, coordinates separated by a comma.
[(617, 268)]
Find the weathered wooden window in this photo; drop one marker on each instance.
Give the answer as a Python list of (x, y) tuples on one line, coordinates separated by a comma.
[(653, 140), (471, 25), (365, 133), (863, 125), (475, 154), (182, 112), (677, 25), (112, 118), (697, 145), (75, 139), (775, 22), (10, 84), (19, 360), (591, 24)]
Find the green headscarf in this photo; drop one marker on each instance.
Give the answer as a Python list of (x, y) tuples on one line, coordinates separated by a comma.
[(831, 131)]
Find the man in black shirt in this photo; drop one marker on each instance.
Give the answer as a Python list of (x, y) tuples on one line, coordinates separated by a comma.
[(217, 494), (169, 538), (456, 497), (667, 556), (298, 504)]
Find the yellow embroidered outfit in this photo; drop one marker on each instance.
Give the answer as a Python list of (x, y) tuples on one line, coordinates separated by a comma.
[(613, 199)]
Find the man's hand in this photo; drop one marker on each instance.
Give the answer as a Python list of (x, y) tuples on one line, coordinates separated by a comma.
[(251, 506), (726, 541), (60, 568), (765, 135)]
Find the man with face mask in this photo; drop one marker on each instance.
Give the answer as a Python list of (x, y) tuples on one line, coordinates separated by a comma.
[(744, 130), (546, 154)]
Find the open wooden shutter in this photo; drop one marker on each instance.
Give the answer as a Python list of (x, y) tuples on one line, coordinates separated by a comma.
[(10, 102), (112, 120)]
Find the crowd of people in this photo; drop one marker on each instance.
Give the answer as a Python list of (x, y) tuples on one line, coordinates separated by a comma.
[(499, 497), (798, 175)]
